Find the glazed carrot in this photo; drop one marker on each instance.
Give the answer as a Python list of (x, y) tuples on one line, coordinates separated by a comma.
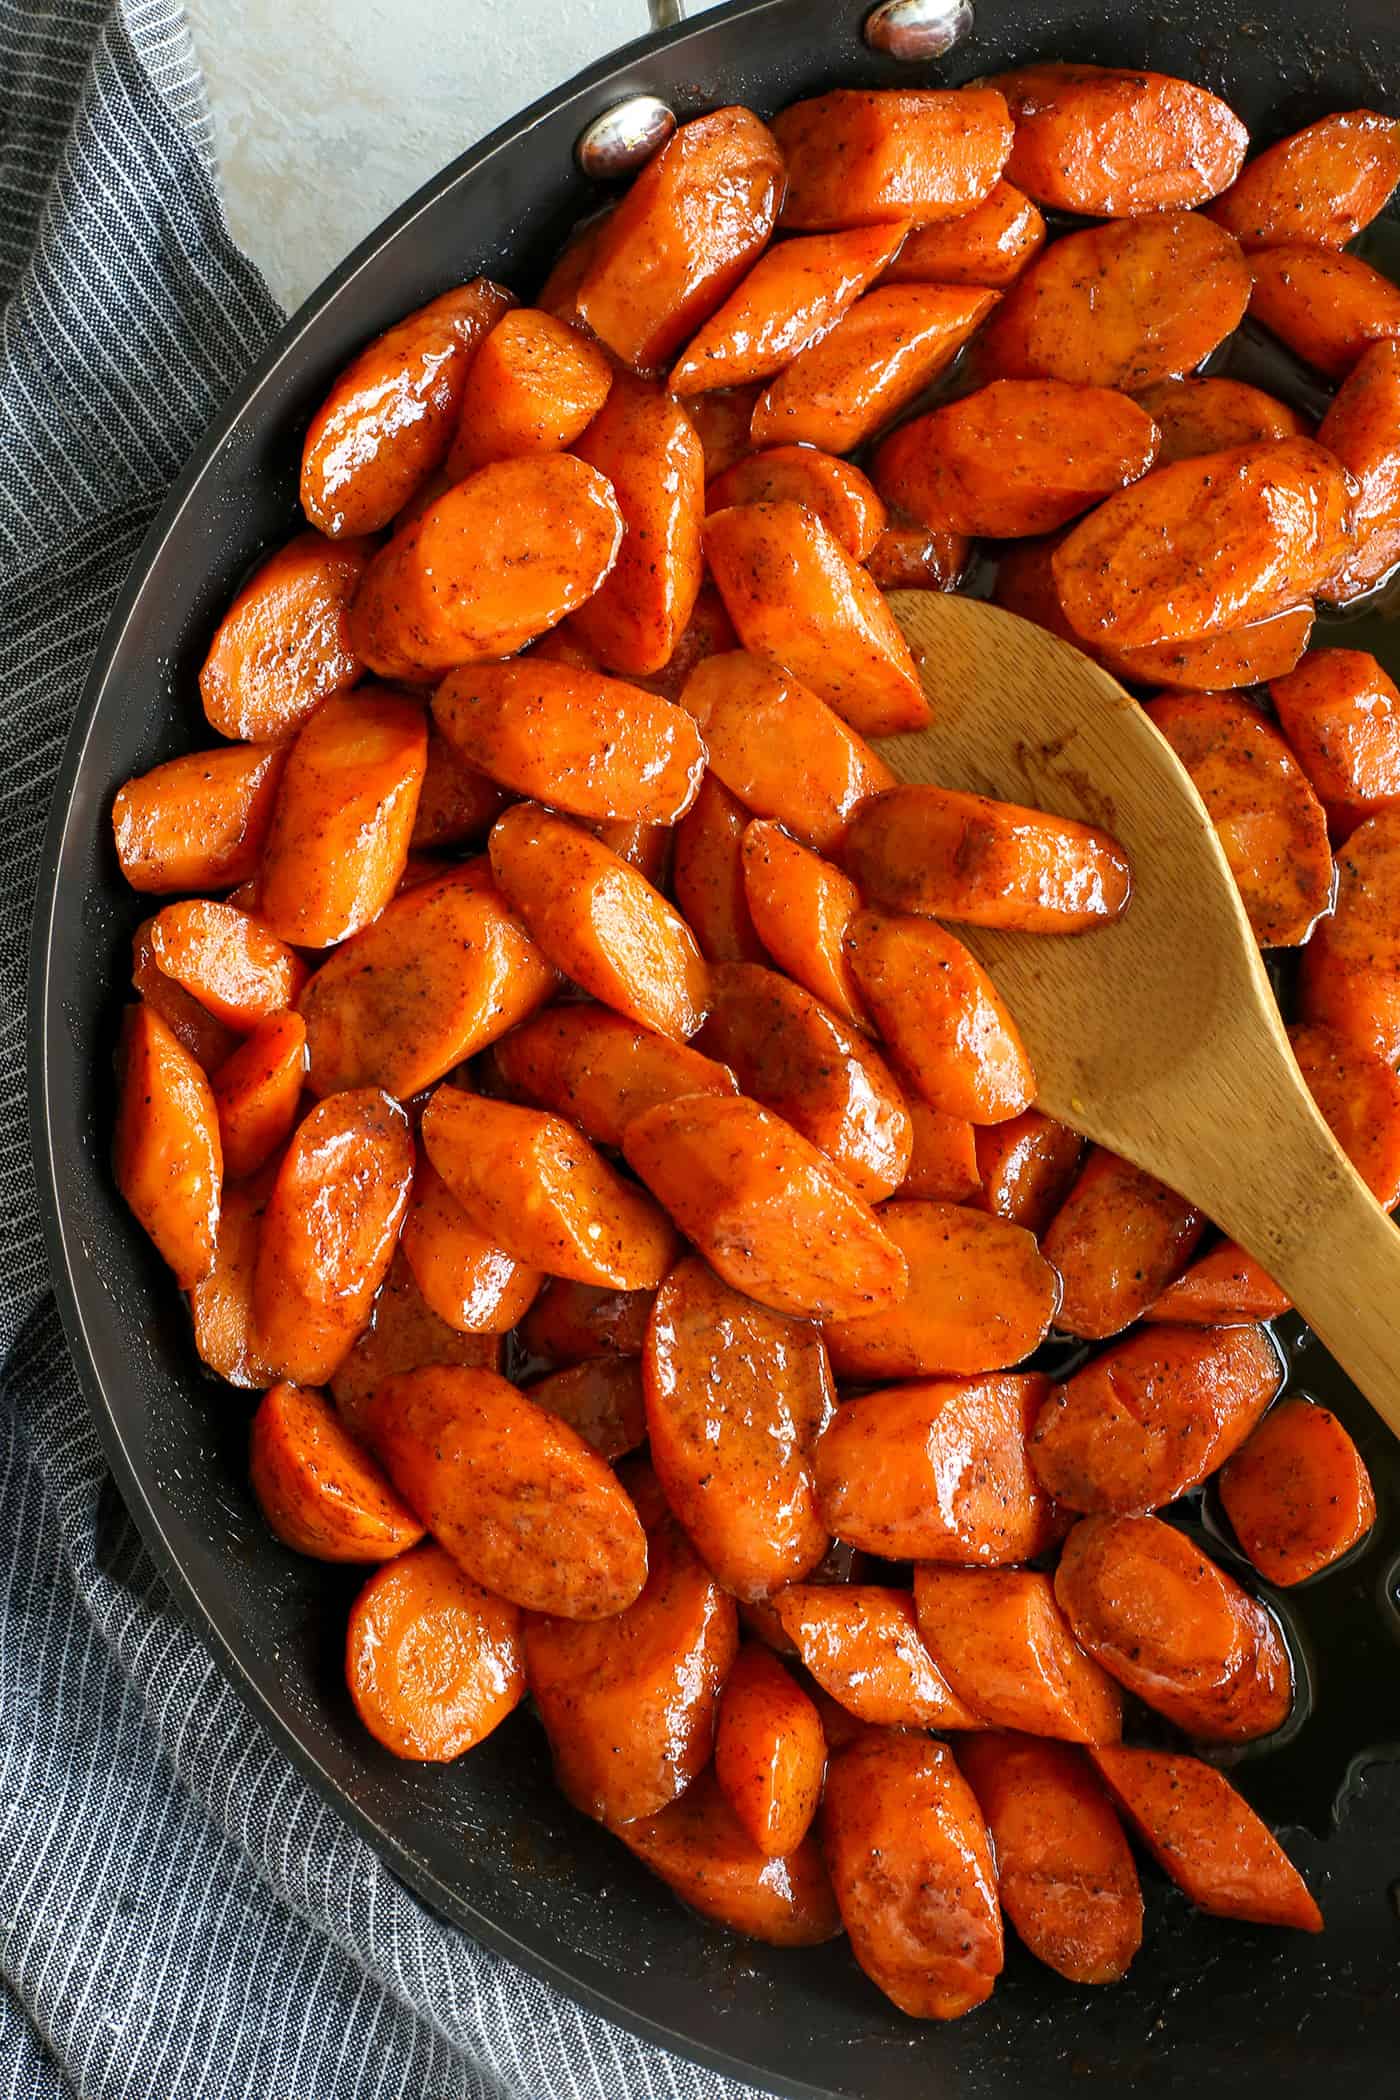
[(588, 745), (198, 822), (1298, 1493), (1360, 1098), (535, 1186), (558, 294), (989, 245), (1111, 143), (1268, 820), (242, 973), (980, 1298), (589, 1064), (1121, 305), (912, 1866), (708, 632), (793, 296), (910, 557), (700, 1849), (1327, 308), (256, 1092), (736, 1396), (770, 1752), (1018, 456), (387, 422), (1360, 429), (221, 1303), (1025, 585), (1220, 1289), (1365, 926), (602, 1399), (708, 877), (1320, 185), (1217, 663), (768, 1211), (572, 1321), (1341, 715), (794, 594), (210, 1042), (1118, 1239), (645, 847), (940, 1017), (861, 156), (861, 1643), (1174, 1629), (328, 1233), (686, 231), (534, 386), (407, 1335), (1150, 1418), (339, 836), (1002, 1642), (1207, 1837), (877, 359), (318, 1491), (490, 565), (836, 492), (433, 1661), (984, 863), (468, 1282), (936, 1470), (165, 1153), (1065, 1876), (455, 803), (1211, 415), (599, 921), (442, 972), (943, 1163), (629, 1702), (284, 643), (1359, 1000), (722, 420), (800, 907), (1025, 1168)]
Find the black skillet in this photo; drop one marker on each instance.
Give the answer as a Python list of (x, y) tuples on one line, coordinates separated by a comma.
[(489, 1842)]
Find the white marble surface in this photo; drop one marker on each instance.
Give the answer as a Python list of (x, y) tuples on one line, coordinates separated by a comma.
[(328, 113)]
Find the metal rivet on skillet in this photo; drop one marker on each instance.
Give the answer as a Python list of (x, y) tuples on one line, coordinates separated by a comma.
[(618, 142), (917, 29)]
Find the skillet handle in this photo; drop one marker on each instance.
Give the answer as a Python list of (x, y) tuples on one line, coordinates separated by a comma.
[(665, 14)]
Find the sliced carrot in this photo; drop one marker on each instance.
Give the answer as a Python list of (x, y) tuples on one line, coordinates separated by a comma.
[(989, 245), (602, 1399), (588, 745), (387, 422), (765, 1208), (1220, 1289), (339, 838), (1004, 1645), (1320, 185), (572, 1321), (456, 803), (1341, 715), (496, 560), (736, 1397), (940, 1016), (1025, 1168), (221, 1303), (318, 1491), (645, 847), (1359, 1000), (909, 557), (629, 1702), (794, 594), (165, 1154), (861, 1643), (708, 632), (468, 1282), (210, 1042), (878, 358), (284, 644), (407, 1335), (1025, 585), (228, 961), (836, 492), (1365, 926), (839, 1566), (1110, 143), (1298, 1493), (433, 1661), (329, 1232), (1118, 1239), (701, 1850), (799, 907), (646, 446), (600, 921), (770, 1752), (1147, 1420), (985, 863), (861, 156), (1174, 1629), (722, 420), (1217, 663), (257, 1091), (1360, 428), (688, 228), (1210, 415), (914, 1873), (534, 386), (980, 1298), (1327, 308), (1360, 1098), (708, 876), (1065, 1875), (1207, 1837), (943, 1165), (589, 1064), (198, 822)]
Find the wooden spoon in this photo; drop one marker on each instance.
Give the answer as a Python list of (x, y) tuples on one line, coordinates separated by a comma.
[(1159, 1036)]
